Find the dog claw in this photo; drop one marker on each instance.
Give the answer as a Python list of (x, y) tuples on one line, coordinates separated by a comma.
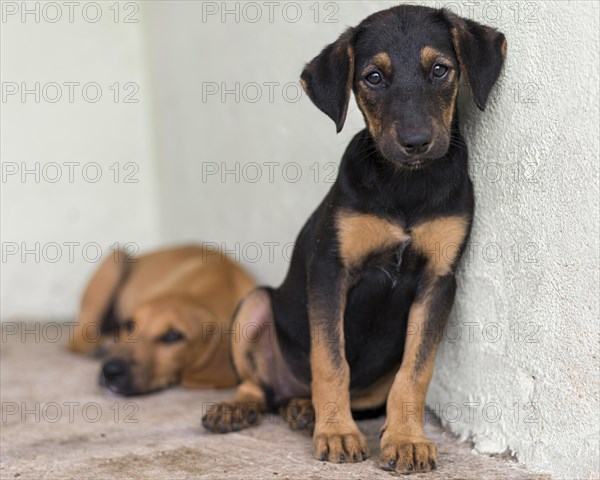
[(222, 428), (300, 414)]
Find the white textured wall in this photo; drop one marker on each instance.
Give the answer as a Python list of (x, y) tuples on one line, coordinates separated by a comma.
[(523, 376)]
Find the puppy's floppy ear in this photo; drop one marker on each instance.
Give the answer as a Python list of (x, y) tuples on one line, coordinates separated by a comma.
[(328, 78), (481, 52)]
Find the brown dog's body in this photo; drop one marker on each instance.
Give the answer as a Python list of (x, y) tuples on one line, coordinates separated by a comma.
[(164, 317)]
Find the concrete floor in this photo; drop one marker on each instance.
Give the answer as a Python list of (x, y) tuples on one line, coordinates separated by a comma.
[(58, 424)]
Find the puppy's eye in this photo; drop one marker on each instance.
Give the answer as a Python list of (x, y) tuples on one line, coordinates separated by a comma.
[(374, 79), (129, 326), (439, 71), (171, 336)]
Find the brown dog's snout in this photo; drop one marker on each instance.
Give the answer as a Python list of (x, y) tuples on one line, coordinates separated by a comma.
[(116, 375), (115, 368), (414, 140)]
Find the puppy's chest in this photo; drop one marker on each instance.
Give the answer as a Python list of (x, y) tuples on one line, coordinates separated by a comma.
[(367, 241)]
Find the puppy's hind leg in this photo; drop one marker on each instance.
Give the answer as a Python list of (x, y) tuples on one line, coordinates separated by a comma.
[(252, 336)]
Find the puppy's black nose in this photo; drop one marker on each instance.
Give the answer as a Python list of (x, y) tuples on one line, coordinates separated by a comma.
[(115, 368), (415, 140)]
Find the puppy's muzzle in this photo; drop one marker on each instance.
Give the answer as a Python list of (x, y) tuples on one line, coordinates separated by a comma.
[(415, 140)]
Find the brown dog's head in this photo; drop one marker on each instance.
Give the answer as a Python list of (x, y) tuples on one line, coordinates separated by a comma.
[(167, 341), (404, 66)]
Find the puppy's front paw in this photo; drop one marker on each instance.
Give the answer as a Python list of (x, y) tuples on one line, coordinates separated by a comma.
[(230, 417), (405, 454), (340, 446)]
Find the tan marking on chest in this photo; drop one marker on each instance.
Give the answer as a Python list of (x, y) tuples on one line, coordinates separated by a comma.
[(359, 235), (440, 241)]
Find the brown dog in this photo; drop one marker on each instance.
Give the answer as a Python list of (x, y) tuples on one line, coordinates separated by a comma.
[(163, 318)]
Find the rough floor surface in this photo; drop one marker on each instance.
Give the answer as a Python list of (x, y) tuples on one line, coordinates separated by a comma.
[(57, 423)]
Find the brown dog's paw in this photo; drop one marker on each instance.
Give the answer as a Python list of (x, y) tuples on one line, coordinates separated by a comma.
[(404, 454), (341, 447), (299, 413), (231, 417)]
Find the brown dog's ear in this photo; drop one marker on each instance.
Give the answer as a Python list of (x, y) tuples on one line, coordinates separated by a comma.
[(481, 51), (327, 79), (96, 324)]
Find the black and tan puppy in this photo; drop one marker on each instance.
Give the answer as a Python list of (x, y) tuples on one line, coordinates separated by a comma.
[(162, 319), (359, 316)]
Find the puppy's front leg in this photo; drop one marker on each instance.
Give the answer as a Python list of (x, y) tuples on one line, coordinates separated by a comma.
[(336, 437), (404, 447)]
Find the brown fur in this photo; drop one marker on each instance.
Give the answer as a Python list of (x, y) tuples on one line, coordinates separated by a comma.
[(440, 240), (403, 439), (448, 110), (383, 62), (431, 56), (94, 301), (456, 41), (372, 119), (335, 430), (369, 108), (299, 413), (189, 289), (375, 396), (360, 235)]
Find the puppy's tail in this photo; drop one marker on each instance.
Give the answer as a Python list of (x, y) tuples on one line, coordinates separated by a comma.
[(98, 309)]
